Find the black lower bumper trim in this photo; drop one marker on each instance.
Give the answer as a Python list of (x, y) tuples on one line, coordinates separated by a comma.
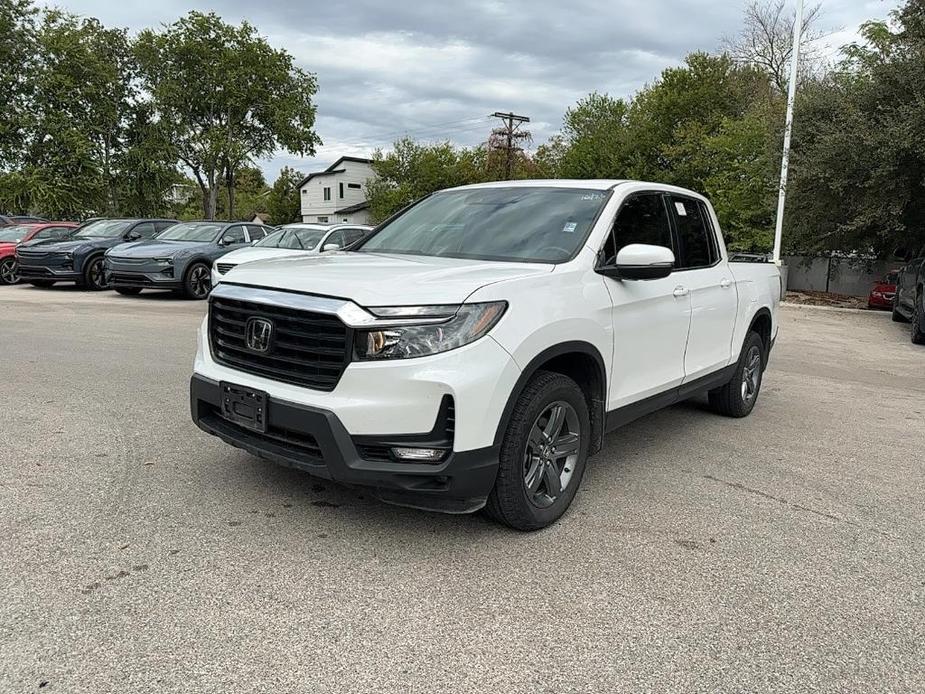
[(315, 440)]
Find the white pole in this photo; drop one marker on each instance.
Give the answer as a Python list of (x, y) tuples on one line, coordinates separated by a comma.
[(788, 128)]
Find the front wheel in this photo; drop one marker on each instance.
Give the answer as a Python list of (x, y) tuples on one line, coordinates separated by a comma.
[(94, 277), (543, 453), (198, 282), (737, 398), (918, 320), (9, 273)]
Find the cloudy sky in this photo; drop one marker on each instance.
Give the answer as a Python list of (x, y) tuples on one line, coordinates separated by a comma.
[(435, 70)]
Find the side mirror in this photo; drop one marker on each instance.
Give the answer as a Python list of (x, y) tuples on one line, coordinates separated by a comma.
[(132, 236), (640, 261), (330, 247)]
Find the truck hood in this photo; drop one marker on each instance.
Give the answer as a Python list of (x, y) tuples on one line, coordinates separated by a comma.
[(157, 249), (248, 255), (372, 279)]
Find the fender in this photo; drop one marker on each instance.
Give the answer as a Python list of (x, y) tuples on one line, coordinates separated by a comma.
[(597, 400), (763, 312)]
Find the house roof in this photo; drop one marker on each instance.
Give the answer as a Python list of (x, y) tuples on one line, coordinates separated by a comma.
[(333, 168), (353, 208)]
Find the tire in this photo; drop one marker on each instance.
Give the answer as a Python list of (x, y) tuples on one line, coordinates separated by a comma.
[(8, 273), (738, 397), (198, 281), (897, 316), (44, 284), (918, 320), (94, 276), (529, 456), (128, 291)]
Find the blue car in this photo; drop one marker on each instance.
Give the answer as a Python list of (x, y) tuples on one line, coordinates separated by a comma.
[(180, 258), (80, 258)]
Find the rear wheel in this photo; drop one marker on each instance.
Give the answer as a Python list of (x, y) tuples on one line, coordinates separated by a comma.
[(42, 283), (918, 320), (198, 282), (94, 277), (737, 398), (543, 454), (128, 291), (9, 273)]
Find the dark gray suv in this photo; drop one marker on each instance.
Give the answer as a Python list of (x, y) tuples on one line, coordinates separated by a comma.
[(179, 259)]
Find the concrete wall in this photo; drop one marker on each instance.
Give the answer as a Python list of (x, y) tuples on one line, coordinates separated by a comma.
[(836, 275)]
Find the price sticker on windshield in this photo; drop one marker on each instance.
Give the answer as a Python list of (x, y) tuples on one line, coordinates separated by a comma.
[(682, 210), (570, 227)]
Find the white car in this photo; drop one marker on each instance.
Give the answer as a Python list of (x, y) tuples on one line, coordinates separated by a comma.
[(292, 239), (474, 351)]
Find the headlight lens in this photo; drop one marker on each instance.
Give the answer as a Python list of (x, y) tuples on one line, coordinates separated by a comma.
[(164, 261), (470, 322)]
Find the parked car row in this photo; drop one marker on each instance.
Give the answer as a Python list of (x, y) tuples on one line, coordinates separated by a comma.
[(130, 255)]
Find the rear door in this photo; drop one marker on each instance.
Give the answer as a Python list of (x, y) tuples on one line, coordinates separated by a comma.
[(704, 273), (650, 317)]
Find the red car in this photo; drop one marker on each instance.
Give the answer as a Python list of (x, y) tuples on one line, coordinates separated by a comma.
[(881, 296), (11, 236)]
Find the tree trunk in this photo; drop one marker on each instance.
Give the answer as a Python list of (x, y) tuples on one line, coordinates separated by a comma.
[(229, 184)]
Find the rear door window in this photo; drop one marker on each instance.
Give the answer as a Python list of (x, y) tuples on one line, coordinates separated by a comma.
[(695, 234), (642, 218)]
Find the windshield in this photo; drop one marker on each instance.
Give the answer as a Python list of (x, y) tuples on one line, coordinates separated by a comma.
[(13, 233), (295, 238), (106, 228), (191, 232), (546, 225)]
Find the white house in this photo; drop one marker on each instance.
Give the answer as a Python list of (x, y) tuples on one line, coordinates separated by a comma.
[(337, 194)]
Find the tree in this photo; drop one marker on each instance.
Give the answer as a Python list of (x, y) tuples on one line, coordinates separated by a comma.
[(17, 63), (766, 41), (283, 203), (859, 147), (412, 170), (228, 96), (146, 167)]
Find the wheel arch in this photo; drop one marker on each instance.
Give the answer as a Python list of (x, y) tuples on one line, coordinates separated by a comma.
[(763, 324), (582, 362)]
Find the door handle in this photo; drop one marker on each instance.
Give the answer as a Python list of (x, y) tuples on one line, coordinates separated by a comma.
[(680, 291), (724, 283)]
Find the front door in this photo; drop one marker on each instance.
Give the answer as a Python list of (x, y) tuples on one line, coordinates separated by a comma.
[(650, 317)]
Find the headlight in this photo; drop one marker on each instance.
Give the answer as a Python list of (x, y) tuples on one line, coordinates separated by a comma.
[(469, 323), (164, 261)]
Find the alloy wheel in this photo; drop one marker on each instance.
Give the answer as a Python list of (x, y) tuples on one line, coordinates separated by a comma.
[(751, 374), (552, 453), (97, 274), (9, 271), (200, 281)]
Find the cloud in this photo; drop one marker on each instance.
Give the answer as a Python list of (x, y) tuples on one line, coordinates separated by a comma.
[(435, 70)]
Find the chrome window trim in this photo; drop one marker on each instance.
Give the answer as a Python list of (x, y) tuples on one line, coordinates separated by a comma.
[(351, 314)]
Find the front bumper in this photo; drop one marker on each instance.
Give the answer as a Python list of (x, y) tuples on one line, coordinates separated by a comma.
[(142, 275), (40, 271), (315, 440)]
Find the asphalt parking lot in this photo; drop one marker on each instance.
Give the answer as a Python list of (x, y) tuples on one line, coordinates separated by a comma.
[(781, 552)]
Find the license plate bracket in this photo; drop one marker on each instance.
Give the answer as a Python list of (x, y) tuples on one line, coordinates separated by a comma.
[(244, 406)]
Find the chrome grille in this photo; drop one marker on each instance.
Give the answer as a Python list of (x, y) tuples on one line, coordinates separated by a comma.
[(307, 348)]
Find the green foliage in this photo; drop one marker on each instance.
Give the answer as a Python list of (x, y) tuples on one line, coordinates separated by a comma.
[(412, 170), (859, 147), (228, 96), (17, 59), (283, 203)]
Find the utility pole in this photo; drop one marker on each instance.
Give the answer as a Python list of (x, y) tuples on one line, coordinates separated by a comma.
[(510, 135), (788, 128)]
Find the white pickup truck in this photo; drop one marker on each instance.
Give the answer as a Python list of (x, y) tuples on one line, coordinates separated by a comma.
[(473, 351)]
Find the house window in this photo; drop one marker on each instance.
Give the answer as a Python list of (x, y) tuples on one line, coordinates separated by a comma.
[(327, 194), (355, 186), (340, 190), (323, 220), (304, 192)]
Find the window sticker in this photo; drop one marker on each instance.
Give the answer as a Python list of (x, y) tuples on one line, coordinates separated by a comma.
[(682, 210), (570, 227)]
